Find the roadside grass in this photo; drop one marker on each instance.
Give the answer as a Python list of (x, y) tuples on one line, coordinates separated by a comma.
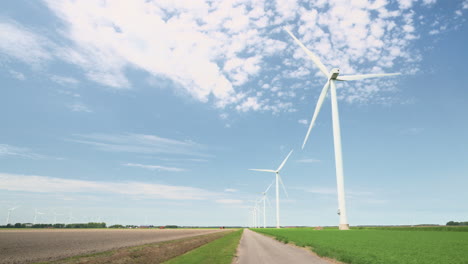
[(220, 251), (371, 246), (147, 253)]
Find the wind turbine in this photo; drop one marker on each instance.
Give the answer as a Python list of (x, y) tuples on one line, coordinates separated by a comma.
[(36, 212), (278, 179), (9, 213), (264, 198), (55, 217), (333, 76)]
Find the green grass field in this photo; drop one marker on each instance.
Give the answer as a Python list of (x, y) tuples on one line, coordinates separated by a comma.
[(373, 246), (220, 251), (418, 228)]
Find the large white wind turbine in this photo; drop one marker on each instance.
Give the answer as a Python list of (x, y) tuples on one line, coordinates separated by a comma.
[(9, 214), (278, 180), (333, 76)]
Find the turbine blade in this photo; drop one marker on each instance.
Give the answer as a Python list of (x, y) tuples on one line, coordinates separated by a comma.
[(314, 57), (363, 76), (268, 201), (284, 161), (322, 96), (284, 188), (262, 170), (266, 191)]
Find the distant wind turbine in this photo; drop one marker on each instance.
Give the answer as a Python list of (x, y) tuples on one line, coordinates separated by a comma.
[(55, 217), (333, 76), (9, 214), (278, 180), (264, 198), (36, 213)]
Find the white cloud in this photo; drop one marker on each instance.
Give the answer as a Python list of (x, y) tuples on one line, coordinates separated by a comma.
[(429, 2), (17, 75), (231, 190), (217, 51), (79, 107), (64, 80), (308, 161), (23, 44), (303, 121), (9, 150), (139, 143), (43, 184), (250, 103), (154, 167)]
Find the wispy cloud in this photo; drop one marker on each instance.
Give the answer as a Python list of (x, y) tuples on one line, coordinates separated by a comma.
[(303, 121), (64, 80), (24, 44), (231, 190), (140, 143), (79, 107), (154, 167), (17, 75), (9, 150), (44, 184)]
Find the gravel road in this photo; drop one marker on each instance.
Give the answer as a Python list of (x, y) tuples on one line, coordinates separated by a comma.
[(26, 246), (257, 249)]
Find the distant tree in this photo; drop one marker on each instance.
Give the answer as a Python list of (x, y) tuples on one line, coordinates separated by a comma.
[(116, 226), (453, 223)]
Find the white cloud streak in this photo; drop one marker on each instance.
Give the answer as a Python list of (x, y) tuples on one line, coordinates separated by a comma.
[(9, 150), (23, 44), (79, 107), (154, 167), (43, 184), (139, 143)]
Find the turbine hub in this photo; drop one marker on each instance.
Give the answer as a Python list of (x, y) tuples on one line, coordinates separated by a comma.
[(334, 73)]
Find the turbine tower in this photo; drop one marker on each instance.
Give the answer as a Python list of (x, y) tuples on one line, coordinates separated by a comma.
[(9, 214), (333, 76), (264, 198), (36, 212), (278, 180)]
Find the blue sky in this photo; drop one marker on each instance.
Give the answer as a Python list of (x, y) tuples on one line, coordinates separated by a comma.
[(152, 112)]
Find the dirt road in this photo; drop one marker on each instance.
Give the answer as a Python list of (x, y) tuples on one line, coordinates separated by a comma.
[(26, 246), (256, 249)]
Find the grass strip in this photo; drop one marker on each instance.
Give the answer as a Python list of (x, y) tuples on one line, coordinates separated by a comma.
[(379, 246), (220, 251), (148, 253)]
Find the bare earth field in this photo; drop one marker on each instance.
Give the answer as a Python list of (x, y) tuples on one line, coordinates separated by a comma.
[(27, 246)]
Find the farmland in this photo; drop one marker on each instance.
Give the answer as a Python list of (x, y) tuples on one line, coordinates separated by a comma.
[(25, 246), (366, 246)]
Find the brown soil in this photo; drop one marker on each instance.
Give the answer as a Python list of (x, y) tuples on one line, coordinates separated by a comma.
[(150, 253)]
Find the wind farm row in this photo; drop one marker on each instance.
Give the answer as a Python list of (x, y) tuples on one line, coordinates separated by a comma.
[(332, 76)]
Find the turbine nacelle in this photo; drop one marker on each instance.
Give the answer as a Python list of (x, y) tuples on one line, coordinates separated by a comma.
[(334, 73)]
